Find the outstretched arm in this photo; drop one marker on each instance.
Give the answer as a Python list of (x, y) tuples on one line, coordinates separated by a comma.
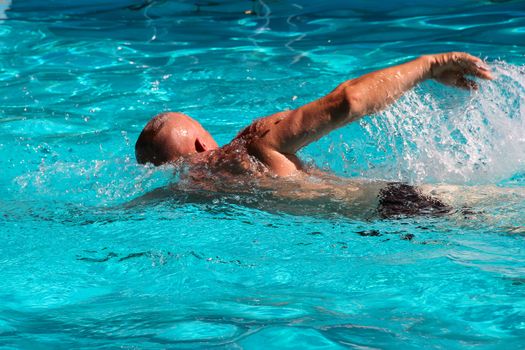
[(286, 132)]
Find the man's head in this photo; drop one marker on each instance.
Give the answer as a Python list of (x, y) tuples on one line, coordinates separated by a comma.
[(169, 136)]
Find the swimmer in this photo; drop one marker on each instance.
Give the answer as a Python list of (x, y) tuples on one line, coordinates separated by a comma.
[(264, 153)]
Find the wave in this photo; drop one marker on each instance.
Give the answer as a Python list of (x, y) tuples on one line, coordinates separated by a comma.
[(440, 134)]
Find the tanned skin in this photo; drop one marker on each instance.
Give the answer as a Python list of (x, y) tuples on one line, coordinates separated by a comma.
[(267, 148), (354, 99), (274, 140)]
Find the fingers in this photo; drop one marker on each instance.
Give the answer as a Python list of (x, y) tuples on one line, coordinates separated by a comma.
[(482, 73), (472, 65), (451, 69)]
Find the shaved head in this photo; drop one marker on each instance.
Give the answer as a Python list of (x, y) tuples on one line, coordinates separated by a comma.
[(169, 136)]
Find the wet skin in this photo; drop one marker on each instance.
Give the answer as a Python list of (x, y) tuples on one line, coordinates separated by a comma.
[(263, 155)]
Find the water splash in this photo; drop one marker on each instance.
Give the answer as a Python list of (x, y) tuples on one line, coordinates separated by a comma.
[(438, 134), (102, 182)]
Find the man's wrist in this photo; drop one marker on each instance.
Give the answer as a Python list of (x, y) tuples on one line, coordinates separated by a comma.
[(428, 62)]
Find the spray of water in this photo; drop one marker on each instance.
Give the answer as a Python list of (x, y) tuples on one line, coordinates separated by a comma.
[(434, 134), (437, 134)]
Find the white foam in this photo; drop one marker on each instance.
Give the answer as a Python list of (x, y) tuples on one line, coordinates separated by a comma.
[(438, 134)]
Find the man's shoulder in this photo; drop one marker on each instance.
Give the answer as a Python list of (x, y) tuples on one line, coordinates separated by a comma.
[(259, 131), (251, 131)]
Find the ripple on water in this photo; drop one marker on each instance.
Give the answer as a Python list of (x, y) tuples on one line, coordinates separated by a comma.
[(197, 331), (293, 338), (83, 265)]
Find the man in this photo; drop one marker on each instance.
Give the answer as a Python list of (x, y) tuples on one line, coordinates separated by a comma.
[(266, 149)]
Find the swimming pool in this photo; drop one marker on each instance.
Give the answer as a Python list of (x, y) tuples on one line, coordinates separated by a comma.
[(81, 268)]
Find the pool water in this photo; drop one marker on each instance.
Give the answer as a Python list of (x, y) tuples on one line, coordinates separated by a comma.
[(81, 266)]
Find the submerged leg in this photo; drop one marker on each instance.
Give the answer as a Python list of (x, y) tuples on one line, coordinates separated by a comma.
[(399, 199)]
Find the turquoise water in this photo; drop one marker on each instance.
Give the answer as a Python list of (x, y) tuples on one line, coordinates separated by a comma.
[(81, 267)]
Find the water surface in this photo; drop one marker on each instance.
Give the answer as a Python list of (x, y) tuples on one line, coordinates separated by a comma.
[(80, 268)]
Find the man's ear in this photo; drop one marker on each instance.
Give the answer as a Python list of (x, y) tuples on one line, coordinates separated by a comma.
[(200, 146)]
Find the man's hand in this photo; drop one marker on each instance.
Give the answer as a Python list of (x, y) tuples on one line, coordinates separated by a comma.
[(275, 139), (453, 67)]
